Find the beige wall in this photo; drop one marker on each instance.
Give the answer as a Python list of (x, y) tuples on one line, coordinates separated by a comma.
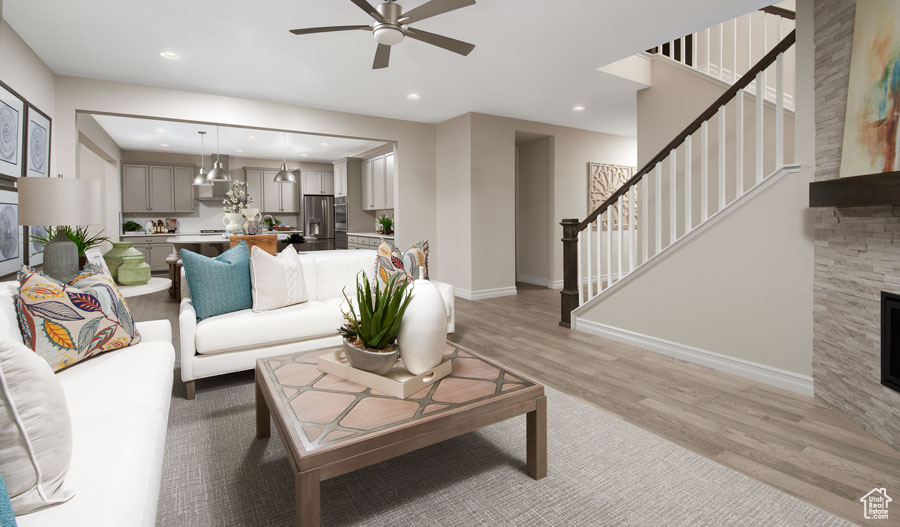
[(415, 176), (23, 71), (533, 187), (454, 200)]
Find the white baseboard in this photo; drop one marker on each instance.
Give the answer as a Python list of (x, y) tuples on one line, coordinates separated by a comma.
[(482, 294), (534, 280), (556, 284), (795, 382)]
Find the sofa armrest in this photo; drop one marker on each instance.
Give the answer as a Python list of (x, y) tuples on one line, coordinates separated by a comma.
[(187, 324), (155, 331), (448, 293)]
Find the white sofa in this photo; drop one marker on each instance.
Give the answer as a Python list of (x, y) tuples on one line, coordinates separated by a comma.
[(234, 341), (119, 406)]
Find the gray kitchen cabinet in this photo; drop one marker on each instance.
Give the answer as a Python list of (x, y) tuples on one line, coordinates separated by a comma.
[(378, 190), (339, 178), (290, 198), (254, 179), (368, 201), (389, 181), (279, 197), (310, 183), (184, 189), (327, 183), (162, 189), (378, 182), (135, 185), (158, 254)]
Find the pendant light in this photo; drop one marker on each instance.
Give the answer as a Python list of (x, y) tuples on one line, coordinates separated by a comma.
[(200, 177), (284, 175), (218, 173)]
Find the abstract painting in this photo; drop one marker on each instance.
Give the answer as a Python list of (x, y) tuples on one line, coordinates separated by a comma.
[(38, 145), (12, 113), (11, 236), (872, 126), (603, 180)]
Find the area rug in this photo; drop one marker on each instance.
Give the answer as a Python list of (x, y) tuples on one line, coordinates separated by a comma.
[(602, 471)]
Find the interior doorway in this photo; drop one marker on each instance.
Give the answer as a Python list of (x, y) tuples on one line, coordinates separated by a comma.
[(534, 195)]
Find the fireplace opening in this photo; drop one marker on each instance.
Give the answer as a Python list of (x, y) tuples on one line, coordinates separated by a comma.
[(890, 340)]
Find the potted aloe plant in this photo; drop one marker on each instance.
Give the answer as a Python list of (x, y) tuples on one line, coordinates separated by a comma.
[(372, 323)]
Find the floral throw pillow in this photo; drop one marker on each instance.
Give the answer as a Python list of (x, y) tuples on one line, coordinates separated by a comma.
[(389, 263), (415, 257), (67, 323)]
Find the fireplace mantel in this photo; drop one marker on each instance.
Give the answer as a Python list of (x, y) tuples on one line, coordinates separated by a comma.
[(874, 190)]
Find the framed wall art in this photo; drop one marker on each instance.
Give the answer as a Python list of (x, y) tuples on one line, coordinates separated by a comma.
[(603, 180), (12, 119), (11, 236), (37, 143), (872, 125), (35, 250)]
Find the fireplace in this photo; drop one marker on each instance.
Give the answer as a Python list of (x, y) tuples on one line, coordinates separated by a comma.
[(890, 340)]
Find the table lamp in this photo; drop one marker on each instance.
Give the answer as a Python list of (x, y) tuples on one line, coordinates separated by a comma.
[(59, 202)]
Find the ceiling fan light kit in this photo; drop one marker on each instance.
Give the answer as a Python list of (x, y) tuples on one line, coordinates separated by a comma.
[(392, 25)]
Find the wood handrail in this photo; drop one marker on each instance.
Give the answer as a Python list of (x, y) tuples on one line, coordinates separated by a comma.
[(729, 94), (780, 11)]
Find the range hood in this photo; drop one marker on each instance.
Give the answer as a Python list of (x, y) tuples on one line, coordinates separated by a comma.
[(216, 191)]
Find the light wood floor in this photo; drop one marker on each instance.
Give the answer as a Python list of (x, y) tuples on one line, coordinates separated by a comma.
[(788, 441)]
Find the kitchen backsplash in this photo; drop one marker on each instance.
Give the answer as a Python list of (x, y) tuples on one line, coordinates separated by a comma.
[(206, 215)]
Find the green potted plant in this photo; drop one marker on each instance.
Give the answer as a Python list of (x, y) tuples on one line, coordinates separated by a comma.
[(79, 235), (131, 226), (372, 323), (387, 224)]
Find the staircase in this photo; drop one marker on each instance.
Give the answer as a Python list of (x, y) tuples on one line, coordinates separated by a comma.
[(727, 155)]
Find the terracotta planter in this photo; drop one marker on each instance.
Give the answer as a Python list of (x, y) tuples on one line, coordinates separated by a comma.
[(379, 363)]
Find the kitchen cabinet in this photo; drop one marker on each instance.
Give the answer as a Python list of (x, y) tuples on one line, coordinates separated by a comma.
[(279, 197), (157, 188), (155, 251), (378, 182), (254, 179), (317, 183), (340, 178)]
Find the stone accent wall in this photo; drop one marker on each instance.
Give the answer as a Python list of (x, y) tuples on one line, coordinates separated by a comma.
[(857, 254)]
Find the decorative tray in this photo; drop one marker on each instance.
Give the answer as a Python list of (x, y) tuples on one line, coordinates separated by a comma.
[(398, 382)]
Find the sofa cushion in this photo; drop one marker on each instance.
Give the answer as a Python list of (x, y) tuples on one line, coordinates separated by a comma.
[(334, 272), (221, 284), (389, 263), (277, 280), (67, 323), (415, 257), (35, 430), (9, 319), (246, 329)]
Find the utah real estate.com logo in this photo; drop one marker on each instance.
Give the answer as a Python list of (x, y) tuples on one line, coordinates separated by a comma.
[(875, 504)]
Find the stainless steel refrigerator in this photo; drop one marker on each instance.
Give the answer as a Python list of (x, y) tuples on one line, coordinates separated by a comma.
[(318, 221)]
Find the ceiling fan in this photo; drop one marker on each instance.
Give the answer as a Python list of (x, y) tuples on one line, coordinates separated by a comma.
[(391, 25)]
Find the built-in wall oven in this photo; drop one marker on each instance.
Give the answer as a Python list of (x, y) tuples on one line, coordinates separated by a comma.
[(340, 213)]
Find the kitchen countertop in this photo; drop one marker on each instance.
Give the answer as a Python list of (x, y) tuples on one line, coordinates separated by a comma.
[(198, 235), (371, 235)]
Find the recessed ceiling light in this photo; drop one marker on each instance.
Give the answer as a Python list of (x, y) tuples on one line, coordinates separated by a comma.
[(164, 145), (239, 150), (251, 137), (160, 129), (323, 144), (413, 96), (579, 108), (171, 55), (304, 155)]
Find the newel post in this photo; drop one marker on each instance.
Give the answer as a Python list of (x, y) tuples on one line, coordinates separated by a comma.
[(569, 294)]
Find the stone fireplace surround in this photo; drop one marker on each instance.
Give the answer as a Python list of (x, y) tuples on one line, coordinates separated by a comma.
[(857, 254)]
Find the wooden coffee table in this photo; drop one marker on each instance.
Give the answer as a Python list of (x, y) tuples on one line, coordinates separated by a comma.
[(330, 426)]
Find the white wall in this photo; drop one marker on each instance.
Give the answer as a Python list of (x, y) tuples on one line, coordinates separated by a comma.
[(454, 200)]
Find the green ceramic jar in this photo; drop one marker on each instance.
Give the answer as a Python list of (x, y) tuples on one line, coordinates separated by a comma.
[(114, 257), (134, 270)]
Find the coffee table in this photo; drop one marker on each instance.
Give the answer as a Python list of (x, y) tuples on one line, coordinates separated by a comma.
[(330, 426)]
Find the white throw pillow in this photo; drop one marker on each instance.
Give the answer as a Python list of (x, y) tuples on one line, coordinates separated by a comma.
[(35, 430), (277, 280)]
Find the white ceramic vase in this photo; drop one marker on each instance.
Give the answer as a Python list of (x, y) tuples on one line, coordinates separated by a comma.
[(234, 222), (423, 330)]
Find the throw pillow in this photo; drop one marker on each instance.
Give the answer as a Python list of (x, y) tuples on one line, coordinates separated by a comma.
[(388, 263), (416, 256), (7, 516), (67, 323), (219, 285), (35, 430), (277, 280)]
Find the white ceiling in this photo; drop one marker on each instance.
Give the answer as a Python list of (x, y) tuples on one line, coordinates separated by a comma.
[(535, 59), (149, 135)]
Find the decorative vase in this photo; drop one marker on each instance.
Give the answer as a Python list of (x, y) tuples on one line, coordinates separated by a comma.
[(361, 359), (134, 270), (114, 257), (234, 222), (251, 214), (423, 330)]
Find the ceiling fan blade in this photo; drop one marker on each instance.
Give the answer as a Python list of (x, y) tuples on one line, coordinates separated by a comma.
[(329, 29), (450, 44), (382, 57), (367, 7), (433, 8)]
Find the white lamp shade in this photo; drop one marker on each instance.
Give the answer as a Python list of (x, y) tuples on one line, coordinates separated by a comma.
[(59, 201)]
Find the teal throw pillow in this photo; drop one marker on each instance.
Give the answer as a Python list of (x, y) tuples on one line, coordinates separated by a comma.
[(221, 284), (7, 518)]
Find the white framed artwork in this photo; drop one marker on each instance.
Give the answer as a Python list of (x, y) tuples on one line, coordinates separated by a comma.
[(12, 119), (11, 234), (37, 145)]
